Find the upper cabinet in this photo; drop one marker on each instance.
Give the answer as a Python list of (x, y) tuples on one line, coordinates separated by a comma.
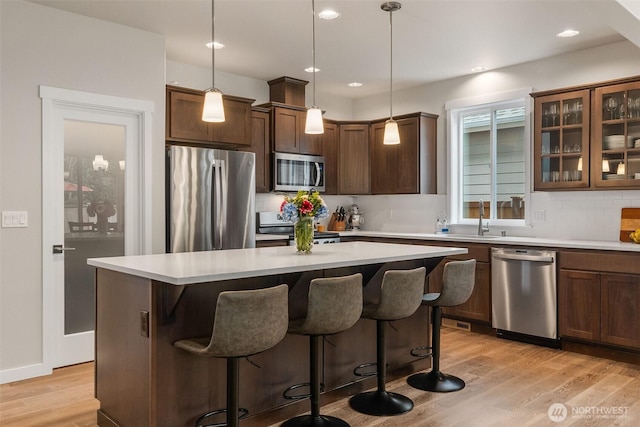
[(409, 167), (353, 160), (330, 147), (616, 136), (561, 144), (585, 137), (288, 132), (184, 119)]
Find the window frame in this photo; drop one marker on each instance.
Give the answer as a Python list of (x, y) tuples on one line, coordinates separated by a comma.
[(454, 110)]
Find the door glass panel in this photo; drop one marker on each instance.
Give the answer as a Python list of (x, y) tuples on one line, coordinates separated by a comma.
[(94, 209)]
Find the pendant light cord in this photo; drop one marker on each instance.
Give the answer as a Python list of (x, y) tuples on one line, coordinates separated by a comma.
[(213, 45), (313, 48), (391, 65)]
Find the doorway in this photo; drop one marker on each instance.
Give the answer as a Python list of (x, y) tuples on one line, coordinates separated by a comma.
[(96, 149)]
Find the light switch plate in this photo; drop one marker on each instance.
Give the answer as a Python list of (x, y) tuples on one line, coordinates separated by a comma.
[(15, 219)]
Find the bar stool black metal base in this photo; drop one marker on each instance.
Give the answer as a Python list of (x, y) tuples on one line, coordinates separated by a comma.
[(435, 381), (381, 403), (315, 421)]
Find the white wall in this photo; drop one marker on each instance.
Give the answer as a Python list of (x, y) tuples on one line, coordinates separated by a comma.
[(45, 46), (572, 215)]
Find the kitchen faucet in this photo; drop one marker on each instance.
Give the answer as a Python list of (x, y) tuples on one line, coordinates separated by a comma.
[(481, 228)]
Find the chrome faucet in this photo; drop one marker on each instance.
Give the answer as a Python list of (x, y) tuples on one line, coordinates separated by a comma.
[(481, 228)]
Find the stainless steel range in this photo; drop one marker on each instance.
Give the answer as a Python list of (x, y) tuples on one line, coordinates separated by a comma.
[(273, 223)]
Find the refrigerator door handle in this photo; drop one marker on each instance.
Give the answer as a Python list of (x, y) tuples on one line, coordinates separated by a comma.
[(218, 197), (317, 181)]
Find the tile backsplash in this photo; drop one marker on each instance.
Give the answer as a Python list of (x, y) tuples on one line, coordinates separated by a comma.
[(576, 215)]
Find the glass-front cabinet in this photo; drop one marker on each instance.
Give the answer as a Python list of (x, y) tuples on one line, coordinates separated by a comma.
[(561, 144), (616, 139)]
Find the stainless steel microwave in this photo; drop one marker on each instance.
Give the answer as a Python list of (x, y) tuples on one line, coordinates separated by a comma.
[(293, 172)]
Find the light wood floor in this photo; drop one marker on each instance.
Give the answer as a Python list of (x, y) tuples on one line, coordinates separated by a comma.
[(508, 384)]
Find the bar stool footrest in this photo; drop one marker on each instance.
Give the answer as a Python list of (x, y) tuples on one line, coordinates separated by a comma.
[(288, 396), (199, 422), (357, 371), (415, 352), (435, 381), (315, 421), (381, 403)]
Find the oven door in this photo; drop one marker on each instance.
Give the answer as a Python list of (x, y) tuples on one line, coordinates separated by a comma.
[(293, 172)]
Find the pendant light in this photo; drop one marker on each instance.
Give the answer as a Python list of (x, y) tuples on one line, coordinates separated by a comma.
[(313, 124), (213, 110), (391, 134)]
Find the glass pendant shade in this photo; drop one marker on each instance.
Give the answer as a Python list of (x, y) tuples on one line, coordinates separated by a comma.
[(213, 110), (605, 165), (391, 134), (314, 123)]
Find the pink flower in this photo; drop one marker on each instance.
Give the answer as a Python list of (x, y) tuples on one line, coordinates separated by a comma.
[(306, 207)]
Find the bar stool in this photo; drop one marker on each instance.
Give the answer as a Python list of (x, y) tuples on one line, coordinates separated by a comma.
[(458, 280), (400, 296), (245, 323), (335, 305)]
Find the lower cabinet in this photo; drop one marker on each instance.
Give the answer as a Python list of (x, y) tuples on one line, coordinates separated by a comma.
[(579, 304), (600, 306)]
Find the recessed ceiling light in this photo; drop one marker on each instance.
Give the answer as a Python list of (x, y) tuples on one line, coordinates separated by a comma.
[(311, 70), (478, 69), (215, 44), (328, 14), (354, 84), (568, 33)]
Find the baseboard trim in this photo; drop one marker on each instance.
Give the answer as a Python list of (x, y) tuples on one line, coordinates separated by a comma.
[(24, 373)]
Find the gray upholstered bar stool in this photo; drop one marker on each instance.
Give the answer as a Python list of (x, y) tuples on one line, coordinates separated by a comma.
[(245, 323), (458, 280), (334, 305), (400, 296)]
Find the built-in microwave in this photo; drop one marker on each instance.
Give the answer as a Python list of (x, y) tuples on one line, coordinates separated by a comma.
[(292, 172)]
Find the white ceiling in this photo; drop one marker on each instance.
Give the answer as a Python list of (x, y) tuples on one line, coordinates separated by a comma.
[(432, 39)]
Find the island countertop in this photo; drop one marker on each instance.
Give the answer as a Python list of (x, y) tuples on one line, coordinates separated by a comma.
[(210, 266)]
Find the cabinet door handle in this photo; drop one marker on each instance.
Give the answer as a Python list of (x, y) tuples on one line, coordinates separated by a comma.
[(59, 249)]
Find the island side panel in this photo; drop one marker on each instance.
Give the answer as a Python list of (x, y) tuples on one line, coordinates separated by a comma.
[(123, 355)]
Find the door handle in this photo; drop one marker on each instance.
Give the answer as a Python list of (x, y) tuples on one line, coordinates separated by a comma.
[(59, 249), (317, 181)]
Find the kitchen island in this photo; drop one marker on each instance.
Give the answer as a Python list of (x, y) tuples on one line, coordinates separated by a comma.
[(145, 303)]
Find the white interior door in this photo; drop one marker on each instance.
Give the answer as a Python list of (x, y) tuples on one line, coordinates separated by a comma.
[(93, 206)]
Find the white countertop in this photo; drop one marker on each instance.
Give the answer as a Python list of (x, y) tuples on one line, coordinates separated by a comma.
[(209, 266), (498, 240)]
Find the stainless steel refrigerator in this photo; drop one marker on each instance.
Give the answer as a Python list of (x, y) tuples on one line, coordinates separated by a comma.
[(210, 199)]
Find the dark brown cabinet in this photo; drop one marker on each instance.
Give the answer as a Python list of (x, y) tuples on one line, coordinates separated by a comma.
[(184, 119), (353, 161), (561, 143), (330, 146), (616, 137), (579, 305), (409, 167), (585, 137), (620, 309), (599, 297), (260, 135), (288, 132)]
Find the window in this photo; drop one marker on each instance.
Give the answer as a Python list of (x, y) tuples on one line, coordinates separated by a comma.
[(489, 146)]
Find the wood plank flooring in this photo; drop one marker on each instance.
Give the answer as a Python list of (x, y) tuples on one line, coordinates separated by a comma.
[(508, 384)]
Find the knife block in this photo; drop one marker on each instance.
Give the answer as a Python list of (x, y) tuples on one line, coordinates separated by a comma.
[(335, 225)]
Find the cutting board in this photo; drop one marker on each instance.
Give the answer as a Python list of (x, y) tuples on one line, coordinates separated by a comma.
[(629, 221)]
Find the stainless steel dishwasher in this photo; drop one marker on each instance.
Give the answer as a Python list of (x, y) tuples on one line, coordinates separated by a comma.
[(523, 295)]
